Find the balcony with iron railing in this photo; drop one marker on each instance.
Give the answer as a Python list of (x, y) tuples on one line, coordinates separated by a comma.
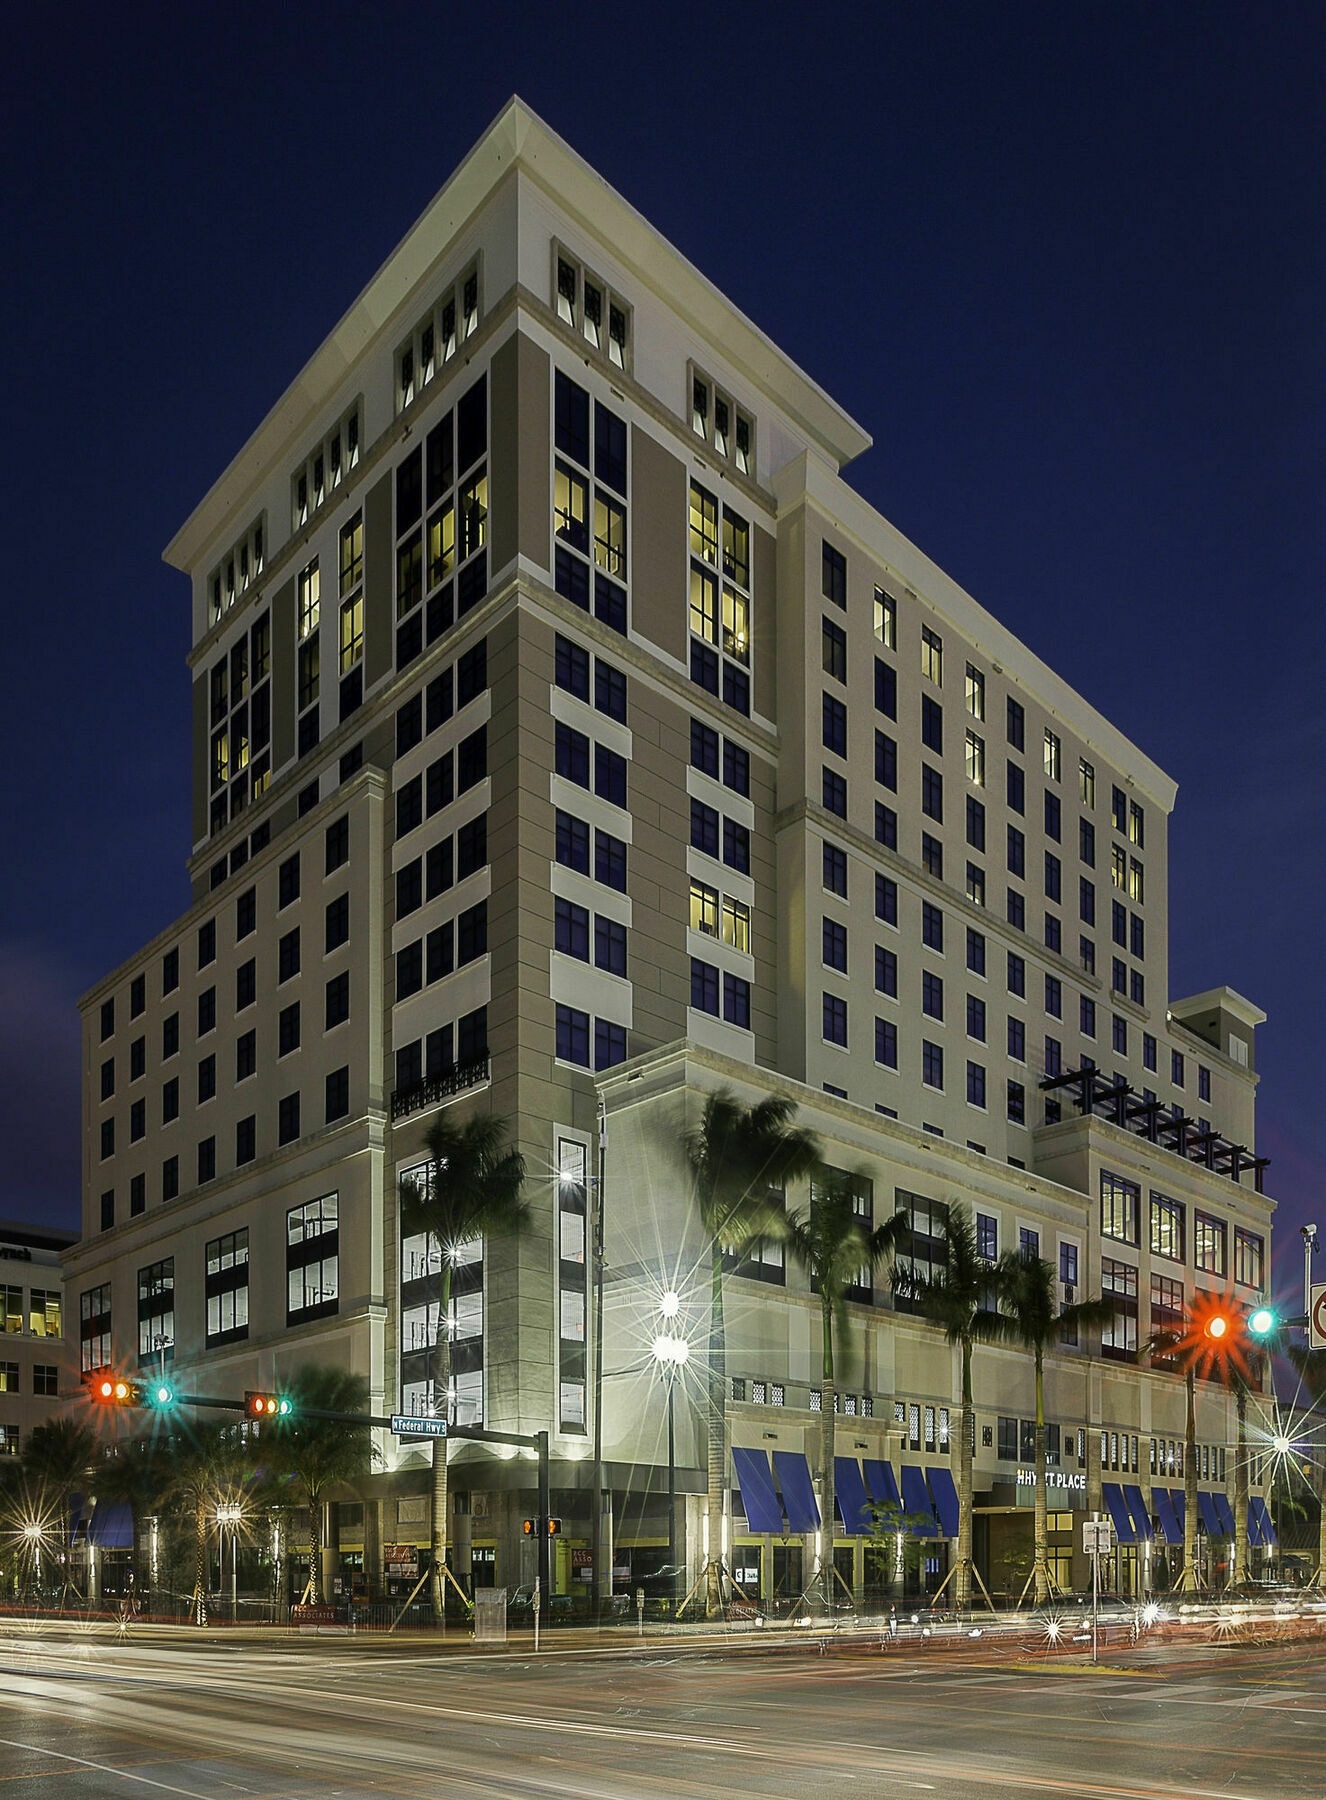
[(445, 1084)]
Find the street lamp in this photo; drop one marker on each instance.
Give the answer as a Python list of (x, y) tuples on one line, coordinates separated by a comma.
[(232, 1514), (671, 1352), (34, 1534)]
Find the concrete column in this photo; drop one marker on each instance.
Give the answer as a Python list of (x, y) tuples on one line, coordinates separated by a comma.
[(373, 1546)]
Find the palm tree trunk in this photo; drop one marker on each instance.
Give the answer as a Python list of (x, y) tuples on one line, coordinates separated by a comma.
[(201, 1572), (717, 1435), (315, 1593), (1189, 1577), (441, 1397), (827, 1420), (1041, 1569), (1240, 1570), (964, 1484)]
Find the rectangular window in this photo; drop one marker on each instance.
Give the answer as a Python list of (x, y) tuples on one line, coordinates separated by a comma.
[(1209, 1244), (886, 689), (704, 986), (833, 650), (886, 897), (1118, 1284), (1120, 1208), (886, 619), (835, 1019), (833, 574), (1052, 756), (312, 1259), (975, 951), (932, 656), (1249, 1258), (976, 1097), (886, 1043), (1167, 1227), (932, 1065)]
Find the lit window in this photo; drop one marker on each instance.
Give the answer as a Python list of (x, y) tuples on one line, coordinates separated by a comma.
[(736, 924), (352, 633), (1051, 756), (704, 909), (975, 692), (309, 590), (1086, 782), (932, 656), (975, 759), (886, 619)]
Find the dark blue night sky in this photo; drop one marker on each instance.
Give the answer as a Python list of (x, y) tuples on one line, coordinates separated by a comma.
[(1066, 263)]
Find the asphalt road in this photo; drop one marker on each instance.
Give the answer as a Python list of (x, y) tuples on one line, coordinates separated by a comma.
[(156, 1715)]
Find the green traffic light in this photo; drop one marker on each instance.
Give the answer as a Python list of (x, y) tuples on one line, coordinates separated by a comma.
[(1262, 1322), (160, 1394)]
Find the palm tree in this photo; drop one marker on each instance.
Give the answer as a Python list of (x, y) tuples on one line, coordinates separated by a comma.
[(196, 1462), (470, 1189), (1030, 1315), (1175, 1347), (58, 1459), (954, 1298), (322, 1454), (839, 1250), (739, 1158)]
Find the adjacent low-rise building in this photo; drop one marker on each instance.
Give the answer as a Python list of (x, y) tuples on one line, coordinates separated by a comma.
[(569, 739)]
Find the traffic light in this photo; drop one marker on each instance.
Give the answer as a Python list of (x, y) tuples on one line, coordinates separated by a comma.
[(159, 1394), (1262, 1321), (542, 1527), (268, 1406), (554, 1527), (531, 1527), (115, 1390), (1216, 1326)]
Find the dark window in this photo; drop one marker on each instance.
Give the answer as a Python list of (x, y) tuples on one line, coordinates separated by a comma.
[(704, 748), (246, 985), (833, 724), (609, 690), (1017, 787), (571, 668), (472, 933), (610, 860), (932, 856), (704, 986), (440, 783), (287, 1119), (610, 945), (609, 1044), (472, 425), (471, 759), (886, 689), (338, 841), (932, 793), (137, 995), (287, 955), (975, 952), (932, 724), (886, 761), (1053, 876), (886, 972), (439, 702), (932, 1065), (1086, 842), (886, 899), (1054, 997), (108, 1078), (338, 921), (572, 842), (571, 929), (571, 419), (409, 969), (975, 823), (338, 999), (573, 1036), (246, 1140), (736, 688), (108, 1209), (609, 775), (932, 926), (246, 913), (170, 971), (409, 889), (206, 1078), (609, 448), (1017, 910), (471, 846), (834, 792), (886, 826), (246, 1055), (409, 812), (833, 650), (704, 828), (736, 767), (170, 1178), (736, 1001), (206, 1160), (287, 883), (288, 1029), (976, 1097), (206, 943), (834, 945), (835, 1019), (472, 673), (976, 1018), (1052, 817), (338, 1094), (932, 994), (409, 724), (1016, 724), (886, 1043), (1017, 974), (834, 575), (736, 846), (170, 1100)]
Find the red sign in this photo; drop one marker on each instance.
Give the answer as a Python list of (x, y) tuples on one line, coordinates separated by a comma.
[(402, 1560)]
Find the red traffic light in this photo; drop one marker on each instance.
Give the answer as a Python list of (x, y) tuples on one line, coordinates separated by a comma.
[(1216, 1327), (554, 1527), (267, 1406), (114, 1390)]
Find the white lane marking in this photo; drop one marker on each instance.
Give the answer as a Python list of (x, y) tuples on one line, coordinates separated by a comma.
[(105, 1769)]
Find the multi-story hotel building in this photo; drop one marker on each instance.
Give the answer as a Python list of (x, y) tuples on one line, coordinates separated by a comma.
[(36, 1365), (568, 734)]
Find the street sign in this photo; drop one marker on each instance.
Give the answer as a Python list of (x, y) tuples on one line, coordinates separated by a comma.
[(1317, 1319), (1096, 1537), (405, 1425)]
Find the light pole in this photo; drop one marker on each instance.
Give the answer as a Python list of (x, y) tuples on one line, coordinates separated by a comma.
[(671, 1352), (33, 1533), (230, 1513)]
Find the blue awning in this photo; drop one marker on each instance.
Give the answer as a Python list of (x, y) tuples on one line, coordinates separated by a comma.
[(916, 1503), (1170, 1529), (1224, 1512), (1123, 1524), (1210, 1517), (763, 1512), (881, 1483), (1138, 1508), (1255, 1537), (946, 1500), (850, 1492), (1180, 1502), (798, 1494), (1264, 1518), (112, 1527)]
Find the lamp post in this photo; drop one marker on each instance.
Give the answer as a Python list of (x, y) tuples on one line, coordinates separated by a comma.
[(33, 1533), (671, 1352), (230, 1513)]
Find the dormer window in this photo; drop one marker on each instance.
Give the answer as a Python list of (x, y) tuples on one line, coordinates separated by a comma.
[(721, 424), (566, 292), (593, 315), (586, 304), (432, 343), (700, 409)]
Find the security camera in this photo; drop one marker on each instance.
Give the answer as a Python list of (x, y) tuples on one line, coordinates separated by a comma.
[(1309, 1235)]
